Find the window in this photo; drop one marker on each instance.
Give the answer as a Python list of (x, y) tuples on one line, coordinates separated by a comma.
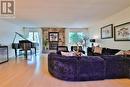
[(76, 37), (34, 37), (79, 38)]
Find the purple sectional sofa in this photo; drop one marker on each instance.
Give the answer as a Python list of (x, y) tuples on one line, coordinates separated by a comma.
[(91, 68), (64, 68), (116, 67), (73, 68), (87, 68)]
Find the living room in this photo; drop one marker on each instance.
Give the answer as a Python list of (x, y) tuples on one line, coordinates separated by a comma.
[(88, 29)]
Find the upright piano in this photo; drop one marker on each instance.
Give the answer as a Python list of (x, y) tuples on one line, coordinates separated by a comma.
[(23, 45)]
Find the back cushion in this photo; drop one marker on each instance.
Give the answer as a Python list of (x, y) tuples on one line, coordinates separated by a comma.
[(74, 48), (62, 48), (112, 51), (98, 50)]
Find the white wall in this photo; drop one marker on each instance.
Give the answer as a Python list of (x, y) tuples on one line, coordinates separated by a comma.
[(7, 32), (119, 18)]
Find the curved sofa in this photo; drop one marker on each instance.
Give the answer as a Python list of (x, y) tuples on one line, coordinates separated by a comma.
[(116, 66), (86, 68), (74, 68)]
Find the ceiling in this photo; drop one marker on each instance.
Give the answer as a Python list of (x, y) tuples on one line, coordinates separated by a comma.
[(65, 13)]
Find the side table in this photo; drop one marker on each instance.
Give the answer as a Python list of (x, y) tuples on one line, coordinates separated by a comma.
[(4, 56)]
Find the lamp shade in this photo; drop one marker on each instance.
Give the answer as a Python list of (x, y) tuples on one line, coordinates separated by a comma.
[(92, 40)]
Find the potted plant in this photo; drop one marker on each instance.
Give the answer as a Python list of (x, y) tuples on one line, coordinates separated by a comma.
[(45, 44)]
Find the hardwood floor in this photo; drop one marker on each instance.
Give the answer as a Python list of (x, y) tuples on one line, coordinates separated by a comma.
[(34, 73)]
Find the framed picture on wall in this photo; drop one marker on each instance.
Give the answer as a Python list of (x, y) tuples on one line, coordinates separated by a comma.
[(107, 31), (53, 36), (122, 32)]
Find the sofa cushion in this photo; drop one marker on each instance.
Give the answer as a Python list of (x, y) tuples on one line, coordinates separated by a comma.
[(91, 68), (112, 51), (116, 66), (105, 51), (62, 48), (62, 67), (74, 48), (98, 50), (89, 51)]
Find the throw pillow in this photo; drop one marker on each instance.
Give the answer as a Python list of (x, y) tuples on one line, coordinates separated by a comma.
[(67, 53), (127, 52), (77, 53), (98, 50), (123, 53), (120, 53)]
